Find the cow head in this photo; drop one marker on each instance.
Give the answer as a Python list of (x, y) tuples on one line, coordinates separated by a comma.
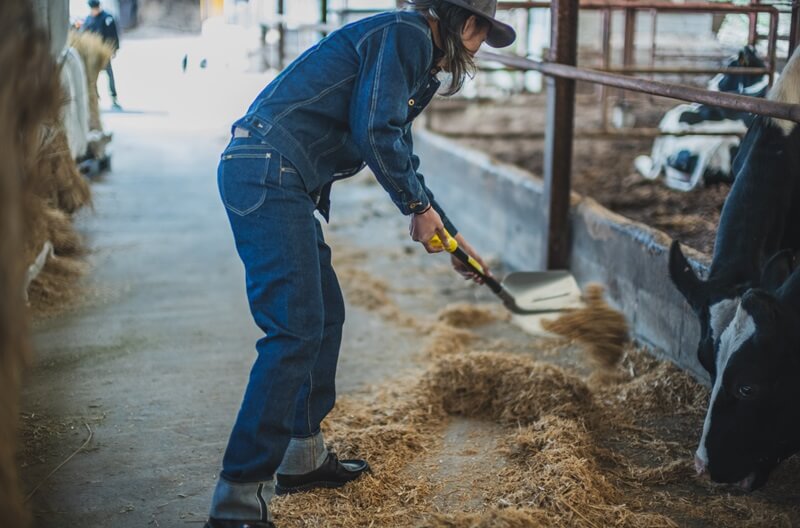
[(709, 300), (753, 417)]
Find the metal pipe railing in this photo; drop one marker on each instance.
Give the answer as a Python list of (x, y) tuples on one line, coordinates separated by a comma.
[(689, 7), (673, 91)]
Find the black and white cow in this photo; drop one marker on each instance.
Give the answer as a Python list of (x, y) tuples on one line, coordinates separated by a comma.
[(750, 326), (707, 136)]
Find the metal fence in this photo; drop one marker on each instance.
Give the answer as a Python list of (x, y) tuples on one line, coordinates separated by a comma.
[(562, 72)]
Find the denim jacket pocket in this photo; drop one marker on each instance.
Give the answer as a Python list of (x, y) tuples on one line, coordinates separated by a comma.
[(242, 177)]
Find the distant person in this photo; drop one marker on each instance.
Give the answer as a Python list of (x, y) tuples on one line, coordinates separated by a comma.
[(104, 25)]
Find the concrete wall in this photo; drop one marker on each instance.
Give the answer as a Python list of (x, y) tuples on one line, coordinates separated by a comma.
[(499, 209)]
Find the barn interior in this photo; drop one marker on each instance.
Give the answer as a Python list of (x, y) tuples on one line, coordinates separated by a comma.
[(125, 334)]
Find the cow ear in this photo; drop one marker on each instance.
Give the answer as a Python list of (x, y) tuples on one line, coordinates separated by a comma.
[(761, 306), (777, 270), (684, 278)]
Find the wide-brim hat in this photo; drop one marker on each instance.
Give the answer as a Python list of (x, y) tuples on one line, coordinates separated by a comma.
[(500, 34)]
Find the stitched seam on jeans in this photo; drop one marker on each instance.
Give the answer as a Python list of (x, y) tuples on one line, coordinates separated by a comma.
[(263, 196), (308, 403)]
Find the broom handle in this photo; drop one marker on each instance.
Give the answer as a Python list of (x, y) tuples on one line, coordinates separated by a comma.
[(463, 256), (490, 281)]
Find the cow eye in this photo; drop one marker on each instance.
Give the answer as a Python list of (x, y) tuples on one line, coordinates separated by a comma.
[(746, 392)]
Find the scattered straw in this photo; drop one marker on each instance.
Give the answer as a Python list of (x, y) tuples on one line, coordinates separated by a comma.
[(366, 291), (57, 286), (657, 386), (62, 464), (463, 315), (446, 339), (602, 330)]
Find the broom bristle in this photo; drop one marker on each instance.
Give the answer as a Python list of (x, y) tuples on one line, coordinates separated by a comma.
[(95, 53)]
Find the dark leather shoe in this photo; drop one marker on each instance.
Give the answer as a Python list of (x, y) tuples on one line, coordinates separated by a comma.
[(224, 523), (331, 474)]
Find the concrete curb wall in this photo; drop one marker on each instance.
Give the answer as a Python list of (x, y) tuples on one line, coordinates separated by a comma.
[(499, 209)]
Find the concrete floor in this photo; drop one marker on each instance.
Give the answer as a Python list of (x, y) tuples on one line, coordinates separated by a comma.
[(155, 355)]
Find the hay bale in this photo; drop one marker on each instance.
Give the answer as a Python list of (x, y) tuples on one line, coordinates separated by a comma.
[(29, 96), (57, 173), (602, 330), (95, 53), (506, 388)]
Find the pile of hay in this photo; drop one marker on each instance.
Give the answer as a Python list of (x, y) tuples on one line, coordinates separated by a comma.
[(95, 53), (390, 431), (446, 339), (572, 454), (53, 190), (29, 97), (602, 330), (506, 388), (647, 385)]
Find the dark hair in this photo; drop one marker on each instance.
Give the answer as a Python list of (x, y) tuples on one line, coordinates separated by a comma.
[(452, 19)]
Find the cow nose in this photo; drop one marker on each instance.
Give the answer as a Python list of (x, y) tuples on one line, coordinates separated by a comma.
[(699, 465)]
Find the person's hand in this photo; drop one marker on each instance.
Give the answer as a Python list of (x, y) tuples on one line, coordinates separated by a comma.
[(424, 226), (464, 270)]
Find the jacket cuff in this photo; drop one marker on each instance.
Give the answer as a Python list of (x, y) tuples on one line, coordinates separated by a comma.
[(416, 205)]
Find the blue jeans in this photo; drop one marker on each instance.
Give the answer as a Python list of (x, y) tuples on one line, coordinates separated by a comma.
[(295, 299)]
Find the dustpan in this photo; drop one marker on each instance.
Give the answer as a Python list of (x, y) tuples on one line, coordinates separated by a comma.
[(524, 292)]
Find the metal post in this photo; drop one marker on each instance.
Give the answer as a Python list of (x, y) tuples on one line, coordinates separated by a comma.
[(629, 50), (606, 64), (323, 15), (558, 136), (752, 37), (794, 33), (281, 36)]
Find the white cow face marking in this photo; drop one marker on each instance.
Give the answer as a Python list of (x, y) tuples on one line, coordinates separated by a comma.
[(741, 328), (721, 316)]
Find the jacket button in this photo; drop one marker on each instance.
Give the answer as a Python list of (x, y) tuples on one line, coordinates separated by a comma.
[(411, 102)]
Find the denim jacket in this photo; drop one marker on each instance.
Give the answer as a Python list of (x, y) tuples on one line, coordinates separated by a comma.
[(350, 100)]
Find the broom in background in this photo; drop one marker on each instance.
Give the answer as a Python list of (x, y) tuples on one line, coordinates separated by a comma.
[(29, 96), (95, 53)]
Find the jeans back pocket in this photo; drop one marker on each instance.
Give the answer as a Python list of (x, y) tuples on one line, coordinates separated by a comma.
[(242, 177)]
